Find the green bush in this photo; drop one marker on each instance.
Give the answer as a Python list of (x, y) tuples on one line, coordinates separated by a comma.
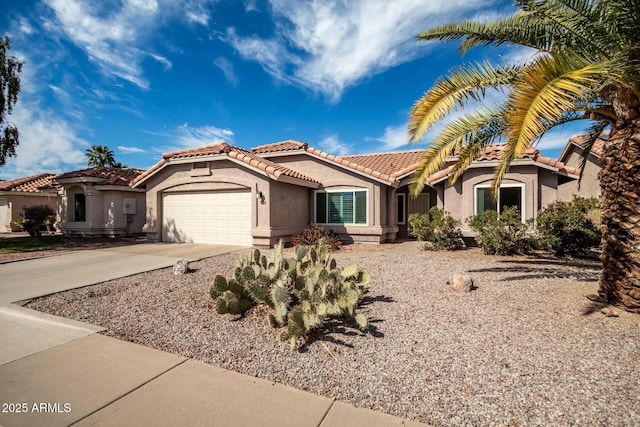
[(566, 228), (438, 229), (313, 236), (301, 292), (503, 234), (34, 219)]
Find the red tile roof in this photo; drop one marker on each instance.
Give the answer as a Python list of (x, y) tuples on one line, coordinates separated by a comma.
[(494, 152), (28, 184), (288, 145), (390, 167), (273, 169), (393, 164), (580, 141), (111, 176)]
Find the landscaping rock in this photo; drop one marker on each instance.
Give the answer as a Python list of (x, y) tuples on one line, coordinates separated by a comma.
[(181, 267), (610, 312), (462, 283)]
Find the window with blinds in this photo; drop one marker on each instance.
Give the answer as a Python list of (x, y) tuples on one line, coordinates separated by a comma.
[(341, 207)]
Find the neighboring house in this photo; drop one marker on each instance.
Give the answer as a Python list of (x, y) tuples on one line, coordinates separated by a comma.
[(100, 202), (224, 194), (572, 156), (17, 194)]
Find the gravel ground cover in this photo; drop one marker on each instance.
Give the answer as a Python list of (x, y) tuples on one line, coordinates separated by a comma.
[(525, 348)]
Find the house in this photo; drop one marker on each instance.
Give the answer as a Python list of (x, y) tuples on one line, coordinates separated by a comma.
[(531, 183), (228, 195), (17, 194), (572, 156), (100, 202)]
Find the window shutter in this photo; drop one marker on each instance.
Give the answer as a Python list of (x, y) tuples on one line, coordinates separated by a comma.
[(347, 207), (361, 207), (321, 208)]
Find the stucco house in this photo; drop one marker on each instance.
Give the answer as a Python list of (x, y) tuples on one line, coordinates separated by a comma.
[(17, 194), (225, 194), (100, 202), (572, 156)]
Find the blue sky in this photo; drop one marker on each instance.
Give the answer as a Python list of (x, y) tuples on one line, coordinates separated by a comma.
[(150, 76)]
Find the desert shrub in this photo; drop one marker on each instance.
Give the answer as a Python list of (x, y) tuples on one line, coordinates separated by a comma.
[(566, 227), (503, 234), (313, 235), (34, 219), (301, 292), (438, 229)]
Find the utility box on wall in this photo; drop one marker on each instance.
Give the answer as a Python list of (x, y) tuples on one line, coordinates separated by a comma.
[(129, 206)]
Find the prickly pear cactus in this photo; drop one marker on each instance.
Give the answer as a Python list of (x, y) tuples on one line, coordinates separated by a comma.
[(302, 291)]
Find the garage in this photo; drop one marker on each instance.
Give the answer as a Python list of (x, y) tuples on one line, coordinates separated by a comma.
[(214, 217)]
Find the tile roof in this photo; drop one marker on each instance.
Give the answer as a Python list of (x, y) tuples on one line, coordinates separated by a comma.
[(357, 163), (390, 167), (393, 164), (273, 169), (580, 140), (111, 176), (288, 145), (28, 184), (494, 152)]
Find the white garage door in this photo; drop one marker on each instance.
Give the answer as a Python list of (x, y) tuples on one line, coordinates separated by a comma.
[(211, 217)]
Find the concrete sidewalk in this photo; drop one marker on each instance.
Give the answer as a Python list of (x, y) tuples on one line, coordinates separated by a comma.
[(103, 381)]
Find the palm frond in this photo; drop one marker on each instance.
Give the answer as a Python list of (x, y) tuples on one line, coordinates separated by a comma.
[(550, 87), (482, 126), (593, 133), (457, 89)]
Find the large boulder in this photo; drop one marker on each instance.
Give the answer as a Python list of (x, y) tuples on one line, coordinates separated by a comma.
[(181, 267)]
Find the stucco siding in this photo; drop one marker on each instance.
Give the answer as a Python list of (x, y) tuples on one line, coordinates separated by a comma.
[(380, 199), (15, 204), (589, 185)]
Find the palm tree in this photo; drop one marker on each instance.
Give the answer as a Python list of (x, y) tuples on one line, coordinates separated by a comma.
[(587, 66), (100, 155)]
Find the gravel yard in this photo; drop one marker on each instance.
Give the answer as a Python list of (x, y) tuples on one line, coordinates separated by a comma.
[(525, 348)]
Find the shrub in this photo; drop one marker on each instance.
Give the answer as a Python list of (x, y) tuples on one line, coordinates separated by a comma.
[(438, 229), (301, 292), (566, 227), (35, 217), (503, 234), (313, 235)]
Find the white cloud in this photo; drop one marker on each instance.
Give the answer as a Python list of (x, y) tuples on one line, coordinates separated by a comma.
[(129, 150), (47, 143), (161, 59), (250, 5), (109, 39), (333, 145), (227, 69), (329, 45), (25, 27), (394, 138), (198, 17), (185, 136)]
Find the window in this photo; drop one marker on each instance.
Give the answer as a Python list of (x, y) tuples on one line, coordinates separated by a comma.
[(400, 203), (341, 207), (509, 195), (79, 207)]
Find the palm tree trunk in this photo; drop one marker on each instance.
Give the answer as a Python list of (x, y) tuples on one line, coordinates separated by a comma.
[(620, 187)]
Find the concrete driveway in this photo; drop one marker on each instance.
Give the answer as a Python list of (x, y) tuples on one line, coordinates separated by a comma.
[(23, 280), (24, 332)]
